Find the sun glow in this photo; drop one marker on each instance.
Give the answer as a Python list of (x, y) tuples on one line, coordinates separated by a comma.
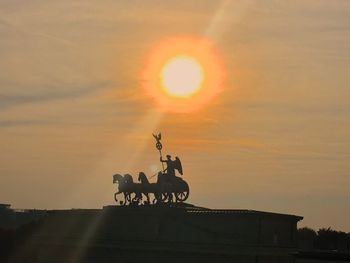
[(182, 74)]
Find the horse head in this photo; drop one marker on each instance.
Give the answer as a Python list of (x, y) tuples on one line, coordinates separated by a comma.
[(128, 179), (143, 178), (117, 178)]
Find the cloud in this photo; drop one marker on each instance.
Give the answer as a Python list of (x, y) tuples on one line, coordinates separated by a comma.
[(11, 100), (12, 123), (22, 30)]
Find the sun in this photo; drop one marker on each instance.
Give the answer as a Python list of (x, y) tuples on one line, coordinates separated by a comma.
[(182, 74)]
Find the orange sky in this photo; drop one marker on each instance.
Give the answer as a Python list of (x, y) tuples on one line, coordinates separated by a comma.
[(73, 110)]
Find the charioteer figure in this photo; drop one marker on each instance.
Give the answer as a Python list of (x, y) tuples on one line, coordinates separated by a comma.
[(172, 165)]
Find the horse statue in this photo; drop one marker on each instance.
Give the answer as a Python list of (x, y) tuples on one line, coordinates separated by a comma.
[(127, 186), (151, 188), (165, 190), (122, 183)]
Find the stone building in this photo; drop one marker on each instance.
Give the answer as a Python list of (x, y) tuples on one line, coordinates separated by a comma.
[(161, 234)]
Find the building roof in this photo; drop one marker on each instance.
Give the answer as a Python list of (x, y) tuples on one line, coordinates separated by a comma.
[(5, 206), (195, 210), (241, 211)]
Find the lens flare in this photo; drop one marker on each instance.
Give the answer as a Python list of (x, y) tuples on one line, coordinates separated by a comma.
[(182, 74)]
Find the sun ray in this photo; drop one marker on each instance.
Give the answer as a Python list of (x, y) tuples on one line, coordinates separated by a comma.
[(228, 13)]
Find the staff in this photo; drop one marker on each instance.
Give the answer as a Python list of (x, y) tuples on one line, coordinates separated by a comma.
[(159, 145)]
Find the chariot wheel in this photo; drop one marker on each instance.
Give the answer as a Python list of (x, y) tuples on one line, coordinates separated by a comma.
[(163, 197), (167, 197), (160, 197), (165, 193), (182, 196)]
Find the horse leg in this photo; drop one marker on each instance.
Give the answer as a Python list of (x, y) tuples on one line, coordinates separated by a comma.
[(137, 198), (129, 198), (125, 198), (148, 200), (156, 197), (170, 197), (147, 197)]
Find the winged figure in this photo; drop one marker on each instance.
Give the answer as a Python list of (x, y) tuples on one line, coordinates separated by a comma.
[(157, 137)]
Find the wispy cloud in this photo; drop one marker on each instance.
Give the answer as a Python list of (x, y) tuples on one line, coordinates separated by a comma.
[(23, 30), (52, 93), (15, 123)]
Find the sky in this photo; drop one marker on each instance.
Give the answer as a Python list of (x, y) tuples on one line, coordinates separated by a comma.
[(73, 110)]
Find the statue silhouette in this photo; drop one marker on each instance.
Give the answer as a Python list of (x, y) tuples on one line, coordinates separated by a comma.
[(170, 166), (167, 187)]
